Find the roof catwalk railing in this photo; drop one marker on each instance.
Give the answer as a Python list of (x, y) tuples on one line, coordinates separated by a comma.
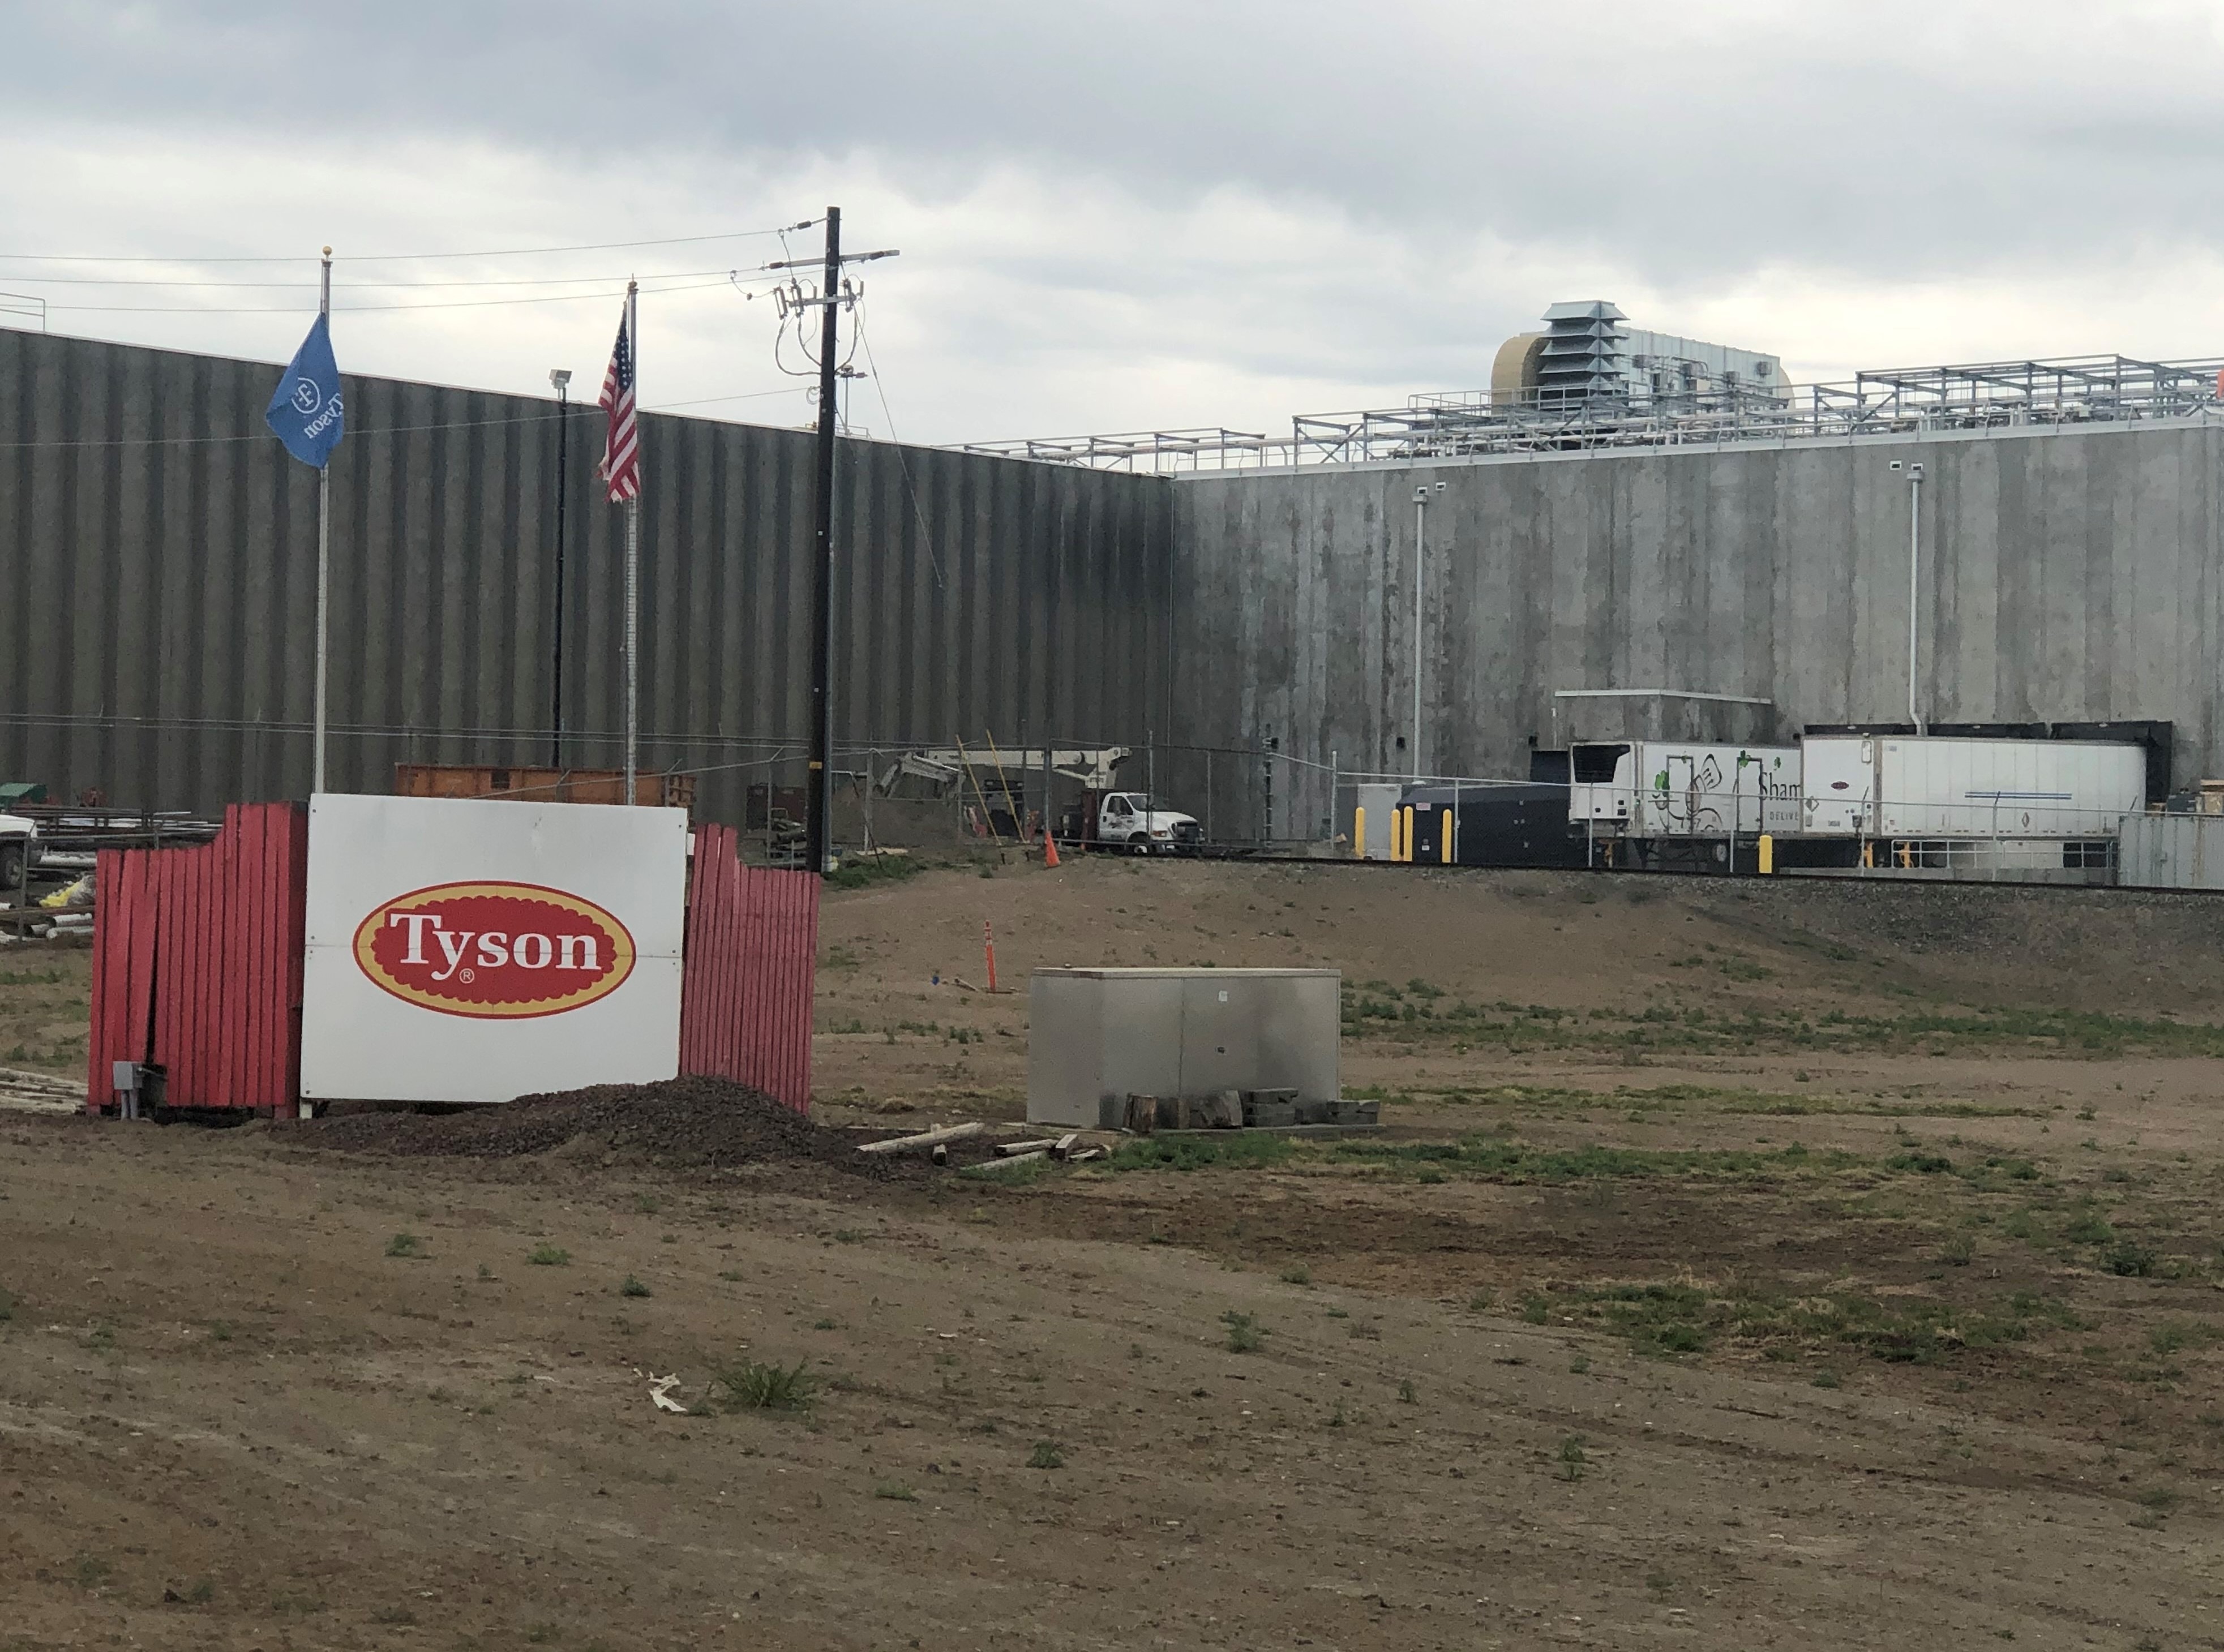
[(1892, 401)]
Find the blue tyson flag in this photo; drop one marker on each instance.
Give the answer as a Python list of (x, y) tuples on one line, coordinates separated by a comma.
[(304, 409)]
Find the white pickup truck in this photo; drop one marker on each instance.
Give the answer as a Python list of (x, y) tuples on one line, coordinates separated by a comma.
[(1144, 825), (19, 845)]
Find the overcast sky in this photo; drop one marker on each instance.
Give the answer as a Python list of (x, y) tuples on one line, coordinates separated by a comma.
[(1124, 216)]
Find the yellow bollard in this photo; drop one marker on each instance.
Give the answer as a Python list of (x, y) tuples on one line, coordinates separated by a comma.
[(1397, 834), (1444, 838), (1405, 841), (1767, 855), (1359, 834)]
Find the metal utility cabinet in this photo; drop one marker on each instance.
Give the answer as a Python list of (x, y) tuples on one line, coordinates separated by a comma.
[(1095, 1037)]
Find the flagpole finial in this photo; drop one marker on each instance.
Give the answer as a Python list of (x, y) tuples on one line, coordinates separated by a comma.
[(328, 252)]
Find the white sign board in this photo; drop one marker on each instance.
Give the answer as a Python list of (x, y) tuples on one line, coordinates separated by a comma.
[(470, 950)]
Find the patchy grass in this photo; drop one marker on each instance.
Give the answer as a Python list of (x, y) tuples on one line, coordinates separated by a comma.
[(1504, 1158), (1636, 1099), (1046, 1454), (1381, 1010), (549, 1256), (867, 870), (1236, 1150), (1670, 1319), (633, 1287), (405, 1245)]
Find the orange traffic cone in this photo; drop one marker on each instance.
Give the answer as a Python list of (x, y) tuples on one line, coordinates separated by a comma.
[(1050, 850)]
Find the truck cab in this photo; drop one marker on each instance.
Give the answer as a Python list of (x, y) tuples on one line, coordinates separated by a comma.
[(19, 851), (1144, 825)]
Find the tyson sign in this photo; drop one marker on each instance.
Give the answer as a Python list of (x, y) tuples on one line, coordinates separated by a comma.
[(499, 950), (476, 950)]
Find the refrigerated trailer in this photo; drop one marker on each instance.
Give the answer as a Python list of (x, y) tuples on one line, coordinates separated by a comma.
[(1648, 799), (1915, 786)]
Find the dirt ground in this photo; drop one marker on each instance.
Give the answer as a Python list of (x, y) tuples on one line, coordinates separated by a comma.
[(1743, 1265)]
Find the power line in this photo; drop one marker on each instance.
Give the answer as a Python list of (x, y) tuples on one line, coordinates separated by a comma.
[(872, 367), (358, 287), (704, 401), (359, 309), (541, 411), (392, 257)]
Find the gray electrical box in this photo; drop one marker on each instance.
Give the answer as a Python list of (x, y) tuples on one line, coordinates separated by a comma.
[(1095, 1037)]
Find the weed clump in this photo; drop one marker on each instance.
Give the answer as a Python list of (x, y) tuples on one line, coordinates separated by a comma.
[(2130, 1260), (756, 1385), (1244, 1333), (1573, 1462), (405, 1245), (549, 1256)]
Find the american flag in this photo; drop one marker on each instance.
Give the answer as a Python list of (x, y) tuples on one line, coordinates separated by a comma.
[(621, 465)]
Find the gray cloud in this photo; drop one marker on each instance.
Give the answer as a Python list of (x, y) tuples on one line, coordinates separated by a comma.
[(1429, 175)]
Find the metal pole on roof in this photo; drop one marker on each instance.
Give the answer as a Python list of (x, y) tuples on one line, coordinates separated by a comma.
[(1420, 551), (1914, 582)]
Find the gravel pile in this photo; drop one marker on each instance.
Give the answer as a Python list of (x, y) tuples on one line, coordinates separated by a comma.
[(682, 1121)]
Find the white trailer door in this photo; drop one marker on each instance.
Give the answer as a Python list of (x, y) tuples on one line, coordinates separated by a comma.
[(1837, 784)]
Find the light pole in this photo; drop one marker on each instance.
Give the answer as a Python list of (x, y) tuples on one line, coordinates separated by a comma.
[(1914, 577), (561, 378), (1420, 554)]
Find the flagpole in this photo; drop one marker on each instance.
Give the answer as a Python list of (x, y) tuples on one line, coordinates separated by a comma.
[(633, 563), (323, 550)]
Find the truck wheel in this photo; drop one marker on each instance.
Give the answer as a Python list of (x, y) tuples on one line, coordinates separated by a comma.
[(1139, 844), (11, 867)]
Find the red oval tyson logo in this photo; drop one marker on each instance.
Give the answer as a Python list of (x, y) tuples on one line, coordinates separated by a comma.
[(496, 951)]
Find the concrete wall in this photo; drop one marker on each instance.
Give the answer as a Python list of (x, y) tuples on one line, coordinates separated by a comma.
[(158, 564), (2066, 575), (157, 581)]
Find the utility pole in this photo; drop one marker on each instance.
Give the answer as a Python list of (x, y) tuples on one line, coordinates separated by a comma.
[(820, 837), (834, 295), (561, 378)]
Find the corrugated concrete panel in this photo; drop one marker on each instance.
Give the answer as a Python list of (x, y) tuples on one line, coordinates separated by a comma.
[(158, 555), (2066, 575), (2171, 852)]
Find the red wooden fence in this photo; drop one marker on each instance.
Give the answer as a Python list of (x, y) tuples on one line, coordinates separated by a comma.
[(196, 963), (197, 966), (752, 950)]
